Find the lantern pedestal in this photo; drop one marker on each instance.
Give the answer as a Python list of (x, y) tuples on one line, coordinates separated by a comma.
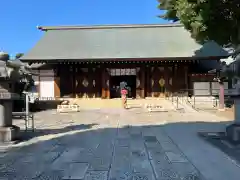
[(233, 130), (8, 132)]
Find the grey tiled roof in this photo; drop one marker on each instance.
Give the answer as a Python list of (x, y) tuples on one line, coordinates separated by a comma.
[(111, 42)]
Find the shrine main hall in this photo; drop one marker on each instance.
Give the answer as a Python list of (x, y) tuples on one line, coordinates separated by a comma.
[(155, 60)]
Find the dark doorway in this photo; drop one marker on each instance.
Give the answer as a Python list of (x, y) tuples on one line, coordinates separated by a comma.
[(66, 81), (115, 85)]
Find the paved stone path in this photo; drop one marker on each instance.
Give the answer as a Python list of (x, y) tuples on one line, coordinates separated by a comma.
[(117, 144)]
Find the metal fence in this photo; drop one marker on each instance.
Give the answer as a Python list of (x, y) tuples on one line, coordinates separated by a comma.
[(199, 102)]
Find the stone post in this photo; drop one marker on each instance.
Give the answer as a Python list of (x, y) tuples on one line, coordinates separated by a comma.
[(233, 130), (237, 111), (221, 97), (5, 113)]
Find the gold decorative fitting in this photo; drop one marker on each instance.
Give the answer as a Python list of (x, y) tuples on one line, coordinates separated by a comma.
[(161, 82), (137, 83), (161, 68), (170, 81), (85, 82), (84, 70)]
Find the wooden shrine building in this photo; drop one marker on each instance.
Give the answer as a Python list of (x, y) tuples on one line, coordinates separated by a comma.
[(90, 62)]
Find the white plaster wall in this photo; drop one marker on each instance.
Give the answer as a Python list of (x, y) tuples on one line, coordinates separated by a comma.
[(46, 84), (36, 84), (215, 86), (201, 88)]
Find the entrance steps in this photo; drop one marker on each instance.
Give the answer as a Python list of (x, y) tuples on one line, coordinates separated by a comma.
[(182, 104), (208, 102)]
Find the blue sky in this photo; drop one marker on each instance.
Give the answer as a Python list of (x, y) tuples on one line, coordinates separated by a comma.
[(18, 32)]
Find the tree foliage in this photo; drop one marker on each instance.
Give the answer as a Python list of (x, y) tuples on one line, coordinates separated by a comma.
[(18, 55), (217, 20), (4, 56), (16, 73)]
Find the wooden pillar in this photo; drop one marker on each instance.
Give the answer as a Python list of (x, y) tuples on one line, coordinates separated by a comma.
[(90, 88), (138, 82), (77, 91), (175, 79), (98, 82), (186, 77), (93, 81), (148, 81), (57, 91), (72, 80), (142, 79), (105, 84)]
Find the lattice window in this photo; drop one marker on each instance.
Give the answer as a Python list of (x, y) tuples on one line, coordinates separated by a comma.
[(123, 72)]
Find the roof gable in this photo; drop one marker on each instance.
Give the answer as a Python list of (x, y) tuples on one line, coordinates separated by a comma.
[(113, 42)]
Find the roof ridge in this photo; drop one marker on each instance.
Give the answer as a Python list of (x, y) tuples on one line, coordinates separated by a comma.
[(72, 27)]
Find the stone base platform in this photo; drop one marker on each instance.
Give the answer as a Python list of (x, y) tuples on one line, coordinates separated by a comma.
[(67, 108), (155, 108), (9, 134), (233, 133)]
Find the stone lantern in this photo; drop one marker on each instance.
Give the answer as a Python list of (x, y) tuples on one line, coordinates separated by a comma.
[(12, 73), (233, 130), (223, 72), (8, 132)]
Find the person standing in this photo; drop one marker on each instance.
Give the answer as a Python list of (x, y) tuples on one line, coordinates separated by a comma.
[(124, 92)]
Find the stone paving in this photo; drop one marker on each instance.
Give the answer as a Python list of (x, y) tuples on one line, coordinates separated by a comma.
[(106, 144)]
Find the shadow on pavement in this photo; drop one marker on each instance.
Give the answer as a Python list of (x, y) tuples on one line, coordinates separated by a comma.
[(25, 135), (48, 158)]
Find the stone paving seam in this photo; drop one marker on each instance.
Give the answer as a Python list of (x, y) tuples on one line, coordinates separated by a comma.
[(200, 173), (113, 152), (44, 171), (150, 160)]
